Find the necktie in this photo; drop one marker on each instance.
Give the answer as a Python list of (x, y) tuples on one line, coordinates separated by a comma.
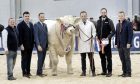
[(120, 27), (44, 26), (28, 25), (84, 23)]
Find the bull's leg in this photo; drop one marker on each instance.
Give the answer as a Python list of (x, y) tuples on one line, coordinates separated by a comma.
[(50, 63), (69, 63), (54, 67), (54, 60)]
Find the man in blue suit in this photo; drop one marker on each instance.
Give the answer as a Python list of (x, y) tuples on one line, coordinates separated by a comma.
[(41, 41), (124, 36)]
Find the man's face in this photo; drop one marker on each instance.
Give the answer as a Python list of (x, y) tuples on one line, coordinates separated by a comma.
[(26, 17), (42, 17), (83, 16), (121, 16), (11, 23), (103, 13)]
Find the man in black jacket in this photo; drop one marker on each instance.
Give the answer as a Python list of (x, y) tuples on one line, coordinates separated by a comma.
[(10, 45), (105, 30), (26, 41)]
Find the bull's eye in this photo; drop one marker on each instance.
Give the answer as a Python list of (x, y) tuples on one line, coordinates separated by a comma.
[(66, 25)]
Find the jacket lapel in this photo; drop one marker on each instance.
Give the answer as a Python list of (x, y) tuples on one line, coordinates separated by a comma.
[(41, 27), (26, 24)]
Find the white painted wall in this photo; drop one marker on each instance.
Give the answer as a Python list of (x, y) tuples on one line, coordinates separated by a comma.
[(55, 9), (4, 11), (136, 6)]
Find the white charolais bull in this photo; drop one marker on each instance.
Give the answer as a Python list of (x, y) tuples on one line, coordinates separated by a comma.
[(61, 41)]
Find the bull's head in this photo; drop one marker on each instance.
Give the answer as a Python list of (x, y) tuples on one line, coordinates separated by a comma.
[(68, 24)]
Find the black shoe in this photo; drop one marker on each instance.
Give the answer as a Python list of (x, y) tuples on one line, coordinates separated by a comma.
[(30, 74), (25, 75), (83, 74), (12, 78), (127, 75), (121, 75), (41, 75), (103, 73), (93, 74), (109, 75)]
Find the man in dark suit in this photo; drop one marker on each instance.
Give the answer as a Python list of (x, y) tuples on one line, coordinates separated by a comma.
[(124, 36), (41, 41), (26, 41)]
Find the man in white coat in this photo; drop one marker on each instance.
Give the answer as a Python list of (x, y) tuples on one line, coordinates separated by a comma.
[(87, 33)]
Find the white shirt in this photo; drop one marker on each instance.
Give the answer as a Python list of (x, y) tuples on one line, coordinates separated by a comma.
[(86, 31), (4, 39), (41, 23)]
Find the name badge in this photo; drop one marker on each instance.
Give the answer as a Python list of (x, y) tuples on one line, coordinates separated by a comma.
[(106, 22)]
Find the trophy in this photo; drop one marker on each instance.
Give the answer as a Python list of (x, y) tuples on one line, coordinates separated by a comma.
[(104, 42)]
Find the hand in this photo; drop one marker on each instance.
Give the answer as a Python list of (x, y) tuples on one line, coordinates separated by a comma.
[(102, 44), (97, 39), (39, 48), (22, 47), (107, 39), (6, 52), (128, 45)]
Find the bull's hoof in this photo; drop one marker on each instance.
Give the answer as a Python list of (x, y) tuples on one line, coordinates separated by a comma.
[(70, 72), (54, 74)]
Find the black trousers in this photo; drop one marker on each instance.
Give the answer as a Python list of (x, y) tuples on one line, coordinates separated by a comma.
[(124, 54), (26, 61), (106, 59), (91, 60), (41, 58)]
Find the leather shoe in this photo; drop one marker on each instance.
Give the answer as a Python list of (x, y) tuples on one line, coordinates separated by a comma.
[(93, 74), (83, 74), (121, 75), (30, 74), (127, 75), (41, 75), (109, 75), (27, 76), (12, 78), (103, 73)]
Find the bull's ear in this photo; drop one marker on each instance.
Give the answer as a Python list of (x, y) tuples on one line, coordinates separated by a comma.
[(77, 20), (59, 20)]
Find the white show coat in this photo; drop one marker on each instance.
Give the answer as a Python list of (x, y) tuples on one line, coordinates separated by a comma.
[(88, 28)]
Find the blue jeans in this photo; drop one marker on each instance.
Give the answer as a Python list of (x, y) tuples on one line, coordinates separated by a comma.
[(11, 60)]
